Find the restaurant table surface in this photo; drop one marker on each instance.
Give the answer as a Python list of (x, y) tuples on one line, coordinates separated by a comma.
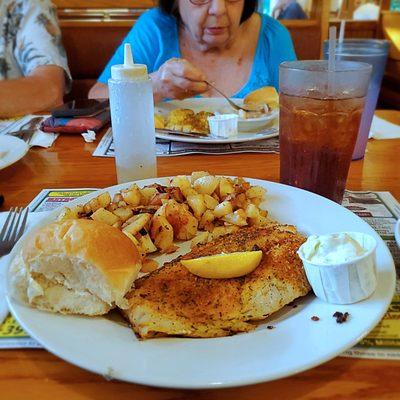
[(37, 374)]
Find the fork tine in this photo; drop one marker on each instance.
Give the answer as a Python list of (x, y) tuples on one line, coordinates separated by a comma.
[(13, 221), (5, 226), (15, 228), (23, 223), (12, 224)]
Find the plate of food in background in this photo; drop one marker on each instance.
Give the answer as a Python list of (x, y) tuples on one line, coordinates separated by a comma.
[(185, 330), (187, 120)]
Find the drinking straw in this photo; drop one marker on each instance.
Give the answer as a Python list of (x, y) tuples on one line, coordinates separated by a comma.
[(341, 30), (331, 59), (331, 51)]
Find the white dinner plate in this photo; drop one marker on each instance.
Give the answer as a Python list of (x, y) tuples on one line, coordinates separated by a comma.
[(249, 129), (241, 138), (296, 344), (12, 149)]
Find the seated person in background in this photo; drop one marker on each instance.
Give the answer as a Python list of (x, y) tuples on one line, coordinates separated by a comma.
[(367, 12), (33, 64), (288, 9), (184, 42)]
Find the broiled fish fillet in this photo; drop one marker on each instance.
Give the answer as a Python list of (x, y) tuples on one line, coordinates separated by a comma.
[(185, 120), (173, 301)]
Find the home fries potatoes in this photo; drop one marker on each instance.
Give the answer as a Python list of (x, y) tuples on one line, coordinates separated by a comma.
[(200, 208)]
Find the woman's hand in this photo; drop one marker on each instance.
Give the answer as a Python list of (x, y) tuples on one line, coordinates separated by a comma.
[(177, 79)]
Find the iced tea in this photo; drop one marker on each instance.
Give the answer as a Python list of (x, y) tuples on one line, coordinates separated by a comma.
[(317, 138)]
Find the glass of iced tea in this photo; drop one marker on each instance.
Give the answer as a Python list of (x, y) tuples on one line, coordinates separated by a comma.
[(320, 113)]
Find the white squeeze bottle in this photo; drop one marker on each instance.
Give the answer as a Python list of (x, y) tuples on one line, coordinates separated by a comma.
[(132, 118)]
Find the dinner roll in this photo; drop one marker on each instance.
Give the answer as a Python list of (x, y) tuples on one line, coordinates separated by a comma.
[(265, 95), (78, 266)]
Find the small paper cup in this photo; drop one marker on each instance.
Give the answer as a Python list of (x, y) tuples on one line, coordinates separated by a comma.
[(223, 126), (347, 282)]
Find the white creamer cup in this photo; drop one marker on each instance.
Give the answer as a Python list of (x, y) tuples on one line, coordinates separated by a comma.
[(224, 125), (347, 282)]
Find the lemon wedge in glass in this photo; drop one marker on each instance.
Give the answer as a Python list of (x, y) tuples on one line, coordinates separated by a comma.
[(224, 266)]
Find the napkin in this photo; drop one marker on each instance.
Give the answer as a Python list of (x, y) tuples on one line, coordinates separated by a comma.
[(89, 136), (42, 139), (33, 219), (382, 129)]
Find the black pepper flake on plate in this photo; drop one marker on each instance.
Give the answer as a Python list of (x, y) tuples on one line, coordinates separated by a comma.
[(340, 317), (270, 327), (315, 318)]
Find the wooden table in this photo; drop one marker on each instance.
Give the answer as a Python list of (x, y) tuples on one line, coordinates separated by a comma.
[(37, 374)]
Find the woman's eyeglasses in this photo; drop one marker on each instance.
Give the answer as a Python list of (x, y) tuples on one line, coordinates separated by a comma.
[(204, 2)]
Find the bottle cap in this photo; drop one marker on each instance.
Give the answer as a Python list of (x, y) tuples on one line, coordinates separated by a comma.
[(128, 70)]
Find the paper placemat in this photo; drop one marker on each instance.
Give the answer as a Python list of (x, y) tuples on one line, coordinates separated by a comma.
[(171, 148)]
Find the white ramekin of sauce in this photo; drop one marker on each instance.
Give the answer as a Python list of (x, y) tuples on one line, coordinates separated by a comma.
[(223, 125), (340, 267)]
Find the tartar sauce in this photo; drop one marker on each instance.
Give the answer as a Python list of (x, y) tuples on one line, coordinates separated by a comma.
[(331, 249)]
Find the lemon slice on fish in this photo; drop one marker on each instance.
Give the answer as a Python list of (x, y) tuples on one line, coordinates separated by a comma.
[(224, 266)]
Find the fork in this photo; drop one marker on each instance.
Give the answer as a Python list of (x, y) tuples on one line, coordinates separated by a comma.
[(13, 229), (26, 131), (231, 103)]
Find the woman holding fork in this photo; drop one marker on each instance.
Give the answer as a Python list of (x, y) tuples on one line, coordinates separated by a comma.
[(185, 42)]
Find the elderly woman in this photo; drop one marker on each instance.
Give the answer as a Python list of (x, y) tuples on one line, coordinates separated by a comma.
[(185, 42)]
